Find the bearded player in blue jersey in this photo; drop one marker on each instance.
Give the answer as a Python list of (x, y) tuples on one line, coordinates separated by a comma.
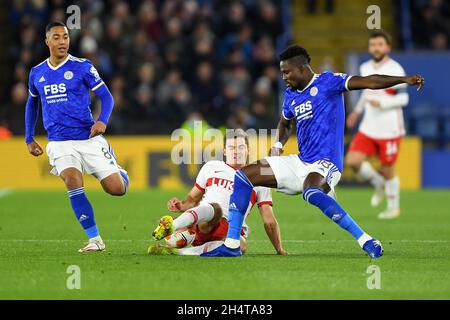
[(316, 103), (61, 83)]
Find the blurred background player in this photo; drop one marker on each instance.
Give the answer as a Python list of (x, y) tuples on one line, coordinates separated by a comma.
[(206, 206), (76, 145), (381, 128)]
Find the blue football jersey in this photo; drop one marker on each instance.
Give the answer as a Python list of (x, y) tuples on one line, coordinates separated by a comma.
[(320, 116), (64, 96)]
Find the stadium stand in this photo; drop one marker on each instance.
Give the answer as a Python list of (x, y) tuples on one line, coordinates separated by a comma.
[(166, 62)]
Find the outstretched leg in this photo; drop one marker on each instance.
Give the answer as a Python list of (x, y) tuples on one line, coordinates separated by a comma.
[(255, 174), (315, 192), (206, 216)]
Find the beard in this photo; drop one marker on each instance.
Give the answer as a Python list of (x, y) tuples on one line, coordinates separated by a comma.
[(378, 56)]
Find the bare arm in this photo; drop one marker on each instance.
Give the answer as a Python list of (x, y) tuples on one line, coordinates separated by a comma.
[(378, 81), (283, 132), (193, 197), (272, 228)]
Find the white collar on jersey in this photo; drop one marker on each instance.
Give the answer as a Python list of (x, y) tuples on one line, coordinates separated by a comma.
[(59, 65), (309, 83)]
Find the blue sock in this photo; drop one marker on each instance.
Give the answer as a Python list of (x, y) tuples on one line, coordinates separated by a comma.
[(332, 210), (125, 178), (239, 201), (83, 211)]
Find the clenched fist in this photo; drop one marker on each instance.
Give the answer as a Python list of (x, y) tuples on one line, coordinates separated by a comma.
[(35, 149), (416, 80)]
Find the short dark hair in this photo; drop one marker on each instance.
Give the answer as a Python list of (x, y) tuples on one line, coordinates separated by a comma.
[(381, 34), (297, 52), (54, 24), (235, 133)]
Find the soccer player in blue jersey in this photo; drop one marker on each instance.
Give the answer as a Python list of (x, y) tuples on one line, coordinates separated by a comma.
[(316, 103), (61, 84)]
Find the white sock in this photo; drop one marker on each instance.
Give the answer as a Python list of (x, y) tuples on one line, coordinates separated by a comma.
[(363, 239), (392, 190), (202, 213), (232, 243), (367, 172), (97, 238), (198, 250)]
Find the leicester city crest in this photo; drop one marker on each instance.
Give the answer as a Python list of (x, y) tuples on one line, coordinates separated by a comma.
[(68, 75)]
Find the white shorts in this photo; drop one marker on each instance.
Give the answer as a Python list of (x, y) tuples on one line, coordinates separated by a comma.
[(93, 156), (291, 172)]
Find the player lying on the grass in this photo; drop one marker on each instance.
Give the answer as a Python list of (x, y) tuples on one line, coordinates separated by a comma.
[(76, 145), (205, 208), (316, 103), (381, 128)]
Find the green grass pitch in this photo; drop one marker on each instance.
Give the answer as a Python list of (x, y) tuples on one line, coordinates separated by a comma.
[(40, 237)]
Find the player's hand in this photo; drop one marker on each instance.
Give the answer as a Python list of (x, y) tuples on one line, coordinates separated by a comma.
[(274, 151), (35, 149), (374, 103), (416, 80), (174, 205), (352, 119), (97, 129), (282, 252)]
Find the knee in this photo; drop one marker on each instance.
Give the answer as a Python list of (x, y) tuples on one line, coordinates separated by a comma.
[(73, 181), (315, 181), (116, 190), (353, 163), (387, 172), (217, 211), (208, 226), (117, 193)]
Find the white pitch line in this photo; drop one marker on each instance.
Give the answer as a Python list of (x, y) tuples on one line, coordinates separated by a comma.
[(319, 241), (66, 240), (288, 241)]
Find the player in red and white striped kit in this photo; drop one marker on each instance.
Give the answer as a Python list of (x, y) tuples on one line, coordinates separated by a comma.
[(205, 208), (381, 128)]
